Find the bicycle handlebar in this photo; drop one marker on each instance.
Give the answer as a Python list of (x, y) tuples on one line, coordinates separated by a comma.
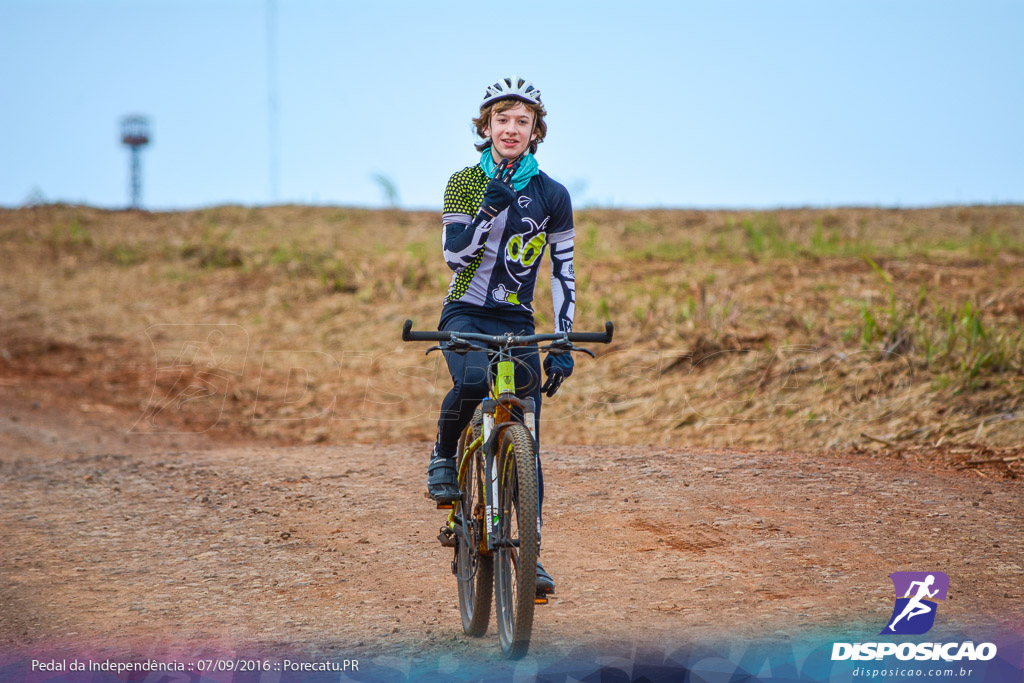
[(408, 334)]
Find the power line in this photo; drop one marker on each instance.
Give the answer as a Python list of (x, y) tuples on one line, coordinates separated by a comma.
[(272, 100)]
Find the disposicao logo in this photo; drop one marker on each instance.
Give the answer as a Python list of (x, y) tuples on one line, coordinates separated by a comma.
[(914, 614), (916, 596)]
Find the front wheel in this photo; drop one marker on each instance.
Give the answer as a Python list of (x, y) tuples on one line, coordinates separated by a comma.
[(474, 571), (515, 578)]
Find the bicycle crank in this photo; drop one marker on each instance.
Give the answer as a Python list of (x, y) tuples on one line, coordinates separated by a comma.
[(447, 537)]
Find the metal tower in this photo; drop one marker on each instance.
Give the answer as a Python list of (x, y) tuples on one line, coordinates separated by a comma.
[(135, 134)]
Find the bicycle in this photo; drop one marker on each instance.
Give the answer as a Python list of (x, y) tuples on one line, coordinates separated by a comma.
[(496, 518)]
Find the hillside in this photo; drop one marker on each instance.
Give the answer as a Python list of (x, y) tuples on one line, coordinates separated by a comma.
[(889, 331)]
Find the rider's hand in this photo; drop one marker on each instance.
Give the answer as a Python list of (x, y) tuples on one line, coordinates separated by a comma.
[(500, 192), (557, 367)]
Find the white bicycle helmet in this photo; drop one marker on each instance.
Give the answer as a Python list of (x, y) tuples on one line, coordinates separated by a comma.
[(515, 87)]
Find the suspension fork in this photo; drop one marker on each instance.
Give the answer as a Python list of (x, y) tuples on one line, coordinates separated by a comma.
[(489, 406), (496, 412)]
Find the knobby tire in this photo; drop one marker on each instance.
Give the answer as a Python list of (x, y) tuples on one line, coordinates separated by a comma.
[(515, 578), (475, 572)]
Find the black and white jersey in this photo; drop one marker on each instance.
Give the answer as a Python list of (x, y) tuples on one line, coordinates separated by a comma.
[(496, 264)]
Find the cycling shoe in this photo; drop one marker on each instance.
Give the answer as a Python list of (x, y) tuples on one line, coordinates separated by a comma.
[(545, 584), (442, 479)]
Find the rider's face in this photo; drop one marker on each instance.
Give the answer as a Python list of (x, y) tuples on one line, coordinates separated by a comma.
[(511, 131)]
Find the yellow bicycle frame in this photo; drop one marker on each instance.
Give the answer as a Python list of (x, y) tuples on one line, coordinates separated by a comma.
[(504, 383)]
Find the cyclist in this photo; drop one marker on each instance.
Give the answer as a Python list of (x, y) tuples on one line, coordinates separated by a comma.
[(499, 216)]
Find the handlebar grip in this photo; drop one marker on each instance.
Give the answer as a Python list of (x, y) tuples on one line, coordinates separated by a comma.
[(597, 337), (408, 334)]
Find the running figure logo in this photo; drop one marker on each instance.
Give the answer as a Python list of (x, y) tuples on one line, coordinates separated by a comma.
[(916, 595)]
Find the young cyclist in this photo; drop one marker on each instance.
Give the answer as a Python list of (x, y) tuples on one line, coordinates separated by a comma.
[(499, 216)]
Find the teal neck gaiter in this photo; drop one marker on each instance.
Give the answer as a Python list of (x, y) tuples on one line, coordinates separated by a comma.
[(527, 168)]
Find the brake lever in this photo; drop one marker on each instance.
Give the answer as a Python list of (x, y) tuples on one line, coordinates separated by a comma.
[(456, 347), (558, 350)]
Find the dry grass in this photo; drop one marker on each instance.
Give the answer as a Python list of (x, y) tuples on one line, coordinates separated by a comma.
[(897, 330)]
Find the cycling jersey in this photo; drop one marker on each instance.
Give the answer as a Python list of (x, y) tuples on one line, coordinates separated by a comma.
[(496, 263)]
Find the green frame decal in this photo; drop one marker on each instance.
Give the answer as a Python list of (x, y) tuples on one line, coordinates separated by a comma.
[(505, 380)]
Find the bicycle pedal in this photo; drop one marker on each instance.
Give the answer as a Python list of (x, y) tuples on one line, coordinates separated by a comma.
[(447, 537), (440, 505), (540, 600)]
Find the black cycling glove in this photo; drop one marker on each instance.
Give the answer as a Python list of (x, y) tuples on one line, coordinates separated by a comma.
[(500, 192), (557, 367)]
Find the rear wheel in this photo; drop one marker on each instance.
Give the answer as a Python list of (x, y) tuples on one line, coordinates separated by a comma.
[(474, 571), (515, 579)]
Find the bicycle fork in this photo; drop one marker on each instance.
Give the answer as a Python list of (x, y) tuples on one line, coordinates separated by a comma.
[(491, 475)]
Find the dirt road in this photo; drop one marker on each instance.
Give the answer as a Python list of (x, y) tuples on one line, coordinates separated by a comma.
[(118, 542)]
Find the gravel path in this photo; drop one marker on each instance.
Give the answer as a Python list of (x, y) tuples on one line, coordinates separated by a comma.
[(117, 542)]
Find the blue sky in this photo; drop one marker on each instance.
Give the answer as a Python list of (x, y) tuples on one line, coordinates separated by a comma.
[(676, 104)]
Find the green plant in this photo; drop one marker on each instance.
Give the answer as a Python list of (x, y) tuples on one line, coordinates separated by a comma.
[(870, 329), (638, 227), (73, 235), (126, 255), (589, 246)]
